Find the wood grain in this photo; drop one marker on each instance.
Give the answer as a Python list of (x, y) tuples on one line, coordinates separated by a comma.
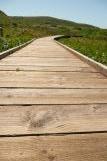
[(46, 68), (52, 96), (52, 80), (53, 106), (92, 147), (42, 62), (47, 119)]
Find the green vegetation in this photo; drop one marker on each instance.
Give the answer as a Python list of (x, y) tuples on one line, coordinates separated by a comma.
[(12, 35), (21, 29), (89, 40), (93, 48), (8, 43)]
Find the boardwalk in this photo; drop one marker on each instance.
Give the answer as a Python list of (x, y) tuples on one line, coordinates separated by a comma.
[(53, 106)]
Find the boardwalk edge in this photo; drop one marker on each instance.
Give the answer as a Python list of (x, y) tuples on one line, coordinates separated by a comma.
[(12, 50), (100, 67)]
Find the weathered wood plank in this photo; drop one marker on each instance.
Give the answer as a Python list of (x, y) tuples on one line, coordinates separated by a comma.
[(52, 96), (55, 110), (52, 79), (41, 59), (55, 148), (51, 54), (43, 62), (47, 68), (52, 119)]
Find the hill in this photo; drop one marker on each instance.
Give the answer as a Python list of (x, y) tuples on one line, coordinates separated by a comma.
[(52, 25), (42, 20), (4, 19), (20, 29), (43, 26)]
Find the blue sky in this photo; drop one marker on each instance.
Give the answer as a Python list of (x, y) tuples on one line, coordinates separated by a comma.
[(84, 11)]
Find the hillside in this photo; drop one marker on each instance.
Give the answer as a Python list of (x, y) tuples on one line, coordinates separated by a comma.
[(43, 26), (42, 20), (53, 25), (4, 19), (20, 29)]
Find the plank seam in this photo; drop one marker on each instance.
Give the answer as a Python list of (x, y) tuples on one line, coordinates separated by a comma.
[(52, 104), (55, 134), (49, 88)]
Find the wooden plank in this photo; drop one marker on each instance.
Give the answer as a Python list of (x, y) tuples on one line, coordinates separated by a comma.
[(52, 96), (46, 68), (55, 148), (52, 79), (42, 62), (52, 119), (35, 74), (30, 53), (41, 53), (46, 58)]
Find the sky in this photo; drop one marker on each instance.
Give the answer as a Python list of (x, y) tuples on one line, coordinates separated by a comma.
[(92, 12)]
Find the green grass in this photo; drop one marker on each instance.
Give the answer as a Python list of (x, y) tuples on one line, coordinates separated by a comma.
[(93, 48)]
